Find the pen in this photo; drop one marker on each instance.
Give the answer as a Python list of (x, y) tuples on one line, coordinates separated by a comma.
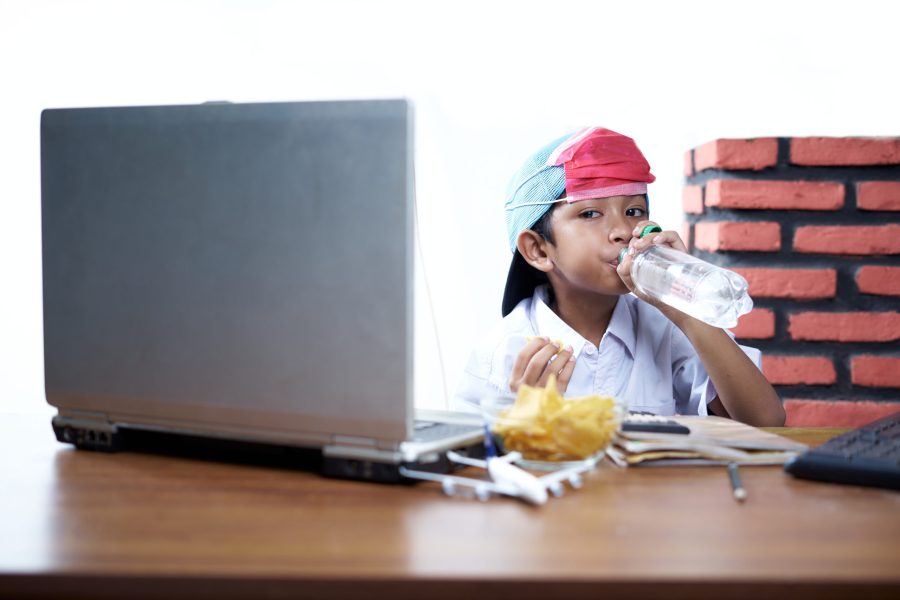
[(740, 494)]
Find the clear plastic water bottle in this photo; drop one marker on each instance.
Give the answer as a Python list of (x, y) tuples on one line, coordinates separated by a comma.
[(706, 292)]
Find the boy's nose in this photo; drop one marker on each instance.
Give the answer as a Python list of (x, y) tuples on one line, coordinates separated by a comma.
[(620, 236), (620, 231)]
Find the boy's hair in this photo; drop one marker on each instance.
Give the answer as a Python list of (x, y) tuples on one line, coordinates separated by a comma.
[(531, 276), (543, 227)]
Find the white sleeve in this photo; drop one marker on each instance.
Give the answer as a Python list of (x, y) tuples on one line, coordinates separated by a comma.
[(691, 385), (475, 384), (490, 364)]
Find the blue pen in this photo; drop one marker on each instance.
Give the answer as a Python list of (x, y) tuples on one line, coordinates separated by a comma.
[(489, 449)]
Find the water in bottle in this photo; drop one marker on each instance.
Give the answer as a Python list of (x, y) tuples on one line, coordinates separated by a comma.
[(714, 295)]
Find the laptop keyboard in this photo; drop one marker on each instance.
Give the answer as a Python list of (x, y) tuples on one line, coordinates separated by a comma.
[(429, 431), (869, 455)]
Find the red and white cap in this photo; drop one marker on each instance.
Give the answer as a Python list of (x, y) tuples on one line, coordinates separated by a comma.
[(600, 163)]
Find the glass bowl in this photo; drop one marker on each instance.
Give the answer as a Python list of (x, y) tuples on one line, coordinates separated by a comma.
[(552, 434)]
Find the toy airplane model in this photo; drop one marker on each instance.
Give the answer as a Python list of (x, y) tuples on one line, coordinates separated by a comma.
[(506, 479)]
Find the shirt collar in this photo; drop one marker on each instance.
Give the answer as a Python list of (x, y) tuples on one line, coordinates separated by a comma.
[(547, 323), (621, 324)]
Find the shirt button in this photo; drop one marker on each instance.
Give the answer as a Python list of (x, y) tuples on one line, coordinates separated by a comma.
[(589, 350)]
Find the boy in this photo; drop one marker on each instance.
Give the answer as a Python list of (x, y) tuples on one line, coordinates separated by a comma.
[(571, 209)]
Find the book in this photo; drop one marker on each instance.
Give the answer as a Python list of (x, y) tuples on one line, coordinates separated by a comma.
[(711, 441)]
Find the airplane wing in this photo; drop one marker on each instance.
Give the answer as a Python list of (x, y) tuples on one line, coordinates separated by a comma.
[(572, 475), (552, 481), (453, 485), (506, 479)]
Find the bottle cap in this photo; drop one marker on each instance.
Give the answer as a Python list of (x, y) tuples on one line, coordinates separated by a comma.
[(647, 229), (650, 229)]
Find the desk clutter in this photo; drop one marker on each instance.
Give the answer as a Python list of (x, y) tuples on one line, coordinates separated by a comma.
[(711, 441), (641, 440)]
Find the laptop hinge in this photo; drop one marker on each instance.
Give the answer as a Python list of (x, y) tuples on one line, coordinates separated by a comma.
[(86, 432), (362, 453), (352, 440)]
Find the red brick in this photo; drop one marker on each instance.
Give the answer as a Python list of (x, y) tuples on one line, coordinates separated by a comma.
[(835, 413), (801, 284), (762, 236), (778, 195), (688, 163), (875, 371), (878, 195), (845, 327), (692, 199), (799, 370), (883, 281), (837, 152), (737, 154), (848, 239), (757, 324)]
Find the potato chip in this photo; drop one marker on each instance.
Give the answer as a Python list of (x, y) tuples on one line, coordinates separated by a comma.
[(542, 425)]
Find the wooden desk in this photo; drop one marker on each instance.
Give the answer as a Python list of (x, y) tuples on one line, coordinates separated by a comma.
[(77, 524)]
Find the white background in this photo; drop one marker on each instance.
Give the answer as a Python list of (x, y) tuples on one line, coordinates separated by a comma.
[(491, 82)]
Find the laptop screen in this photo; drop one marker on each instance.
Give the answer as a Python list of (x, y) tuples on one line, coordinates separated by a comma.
[(231, 267)]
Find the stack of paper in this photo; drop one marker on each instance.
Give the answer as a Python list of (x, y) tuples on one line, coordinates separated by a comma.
[(712, 441)]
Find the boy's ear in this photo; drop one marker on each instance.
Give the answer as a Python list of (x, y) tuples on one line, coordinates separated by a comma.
[(533, 249)]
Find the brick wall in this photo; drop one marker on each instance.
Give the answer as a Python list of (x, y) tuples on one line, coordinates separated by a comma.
[(812, 224)]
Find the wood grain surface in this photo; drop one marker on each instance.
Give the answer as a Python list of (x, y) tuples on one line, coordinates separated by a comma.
[(94, 525)]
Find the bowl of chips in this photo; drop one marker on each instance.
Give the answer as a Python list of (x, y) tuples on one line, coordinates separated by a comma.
[(550, 431)]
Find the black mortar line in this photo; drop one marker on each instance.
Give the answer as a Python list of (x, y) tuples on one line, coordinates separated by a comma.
[(847, 297)]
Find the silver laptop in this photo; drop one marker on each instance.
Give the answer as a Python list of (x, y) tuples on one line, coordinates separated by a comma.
[(237, 271)]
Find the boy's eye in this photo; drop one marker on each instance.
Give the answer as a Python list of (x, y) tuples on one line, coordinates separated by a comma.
[(591, 214), (635, 212)]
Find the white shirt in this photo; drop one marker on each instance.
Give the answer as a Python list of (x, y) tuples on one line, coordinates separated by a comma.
[(643, 359)]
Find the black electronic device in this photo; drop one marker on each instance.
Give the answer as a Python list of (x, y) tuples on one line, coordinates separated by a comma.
[(868, 455), (650, 423)]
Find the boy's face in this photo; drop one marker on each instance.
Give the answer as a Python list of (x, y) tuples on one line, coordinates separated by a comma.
[(588, 235)]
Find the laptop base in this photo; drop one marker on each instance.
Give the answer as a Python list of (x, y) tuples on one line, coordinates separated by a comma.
[(103, 437), (384, 472)]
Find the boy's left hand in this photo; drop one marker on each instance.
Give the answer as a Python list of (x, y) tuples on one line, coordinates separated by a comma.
[(637, 245)]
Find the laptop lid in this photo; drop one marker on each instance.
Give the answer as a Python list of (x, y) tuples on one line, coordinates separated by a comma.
[(244, 269)]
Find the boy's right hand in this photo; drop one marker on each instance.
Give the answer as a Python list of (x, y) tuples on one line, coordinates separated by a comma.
[(537, 360)]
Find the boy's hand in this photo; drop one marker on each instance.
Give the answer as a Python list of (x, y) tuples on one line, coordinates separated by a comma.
[(638, 245), (537, 360), (666, 238)]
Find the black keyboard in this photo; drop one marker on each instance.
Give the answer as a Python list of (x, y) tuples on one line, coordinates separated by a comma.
[(868, 456)]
